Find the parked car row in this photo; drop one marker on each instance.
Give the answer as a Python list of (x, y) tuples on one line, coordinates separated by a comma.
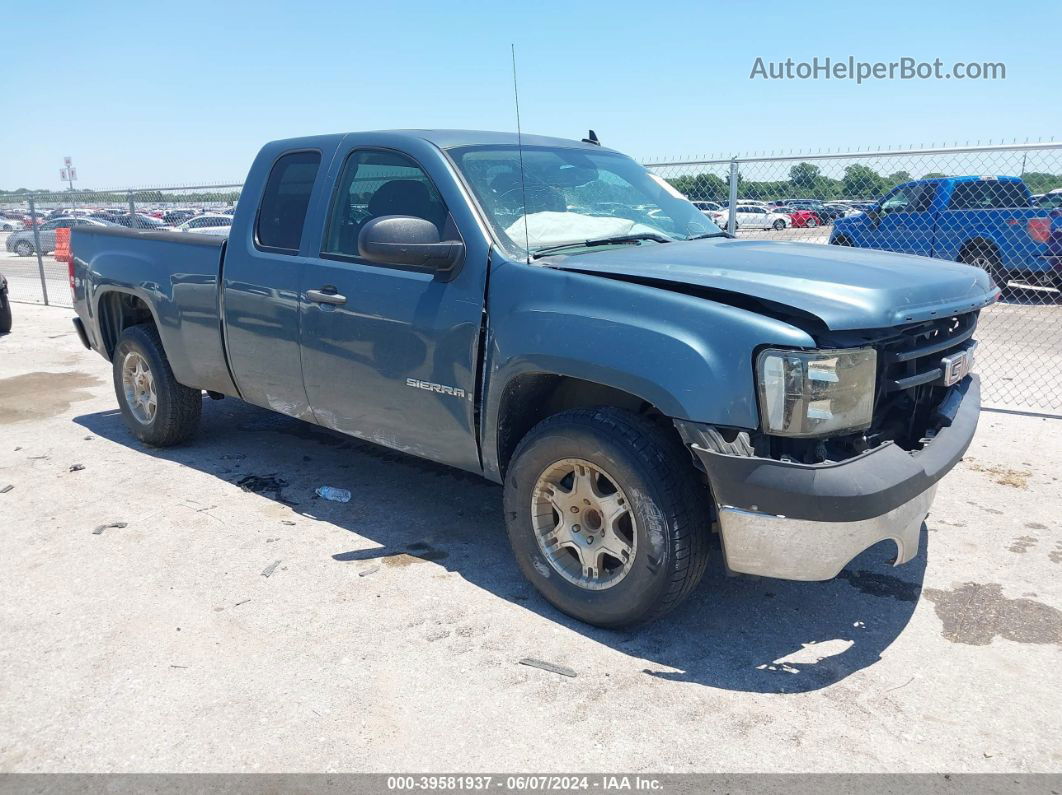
[(782, 213), (23, 240)]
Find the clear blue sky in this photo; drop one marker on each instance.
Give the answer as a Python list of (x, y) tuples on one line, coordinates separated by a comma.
[(159, 92)]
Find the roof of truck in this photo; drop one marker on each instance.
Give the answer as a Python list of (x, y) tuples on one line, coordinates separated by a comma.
[(449, 139)]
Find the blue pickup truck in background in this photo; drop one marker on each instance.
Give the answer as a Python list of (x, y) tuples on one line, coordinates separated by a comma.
[(547, 314), (990, 222)]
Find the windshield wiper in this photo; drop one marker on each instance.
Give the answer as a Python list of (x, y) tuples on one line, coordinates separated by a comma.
[(601, 241), (711, 234)]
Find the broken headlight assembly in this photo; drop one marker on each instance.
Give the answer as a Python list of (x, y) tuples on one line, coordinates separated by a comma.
[(816, 393)]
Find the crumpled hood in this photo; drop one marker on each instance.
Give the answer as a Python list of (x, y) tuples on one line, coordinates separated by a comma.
[(846, 288)]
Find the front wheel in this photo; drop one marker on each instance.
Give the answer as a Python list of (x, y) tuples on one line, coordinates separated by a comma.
[(157, 410), (779, 225), (605, 516), (24, 248), (811, 223)]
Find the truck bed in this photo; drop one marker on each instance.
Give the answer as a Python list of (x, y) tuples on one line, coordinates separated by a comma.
[(175, 274)]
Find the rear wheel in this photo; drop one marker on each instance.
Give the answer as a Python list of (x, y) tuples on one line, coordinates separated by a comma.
[(24, 248), (157, 410), (605, 516), (779, 225), (986, 259), (811, 223)]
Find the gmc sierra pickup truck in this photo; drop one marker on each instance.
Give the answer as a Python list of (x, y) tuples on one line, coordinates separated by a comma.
[(990, 222), (552, 316)]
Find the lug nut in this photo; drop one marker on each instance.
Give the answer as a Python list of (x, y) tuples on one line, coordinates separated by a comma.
[(576, 528)]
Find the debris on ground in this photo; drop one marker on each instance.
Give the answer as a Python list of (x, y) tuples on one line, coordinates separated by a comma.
[(100, 528), (368, 571), (245, 601), (332, 493), (548, 666), (76, 467), (287, 522), (6, 489), (270, 568), (259, 484)]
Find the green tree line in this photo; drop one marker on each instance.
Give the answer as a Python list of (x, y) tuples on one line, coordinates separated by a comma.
[(806, 181)]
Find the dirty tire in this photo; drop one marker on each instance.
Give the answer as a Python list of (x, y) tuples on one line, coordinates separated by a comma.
[(178, 407), (669, 506)]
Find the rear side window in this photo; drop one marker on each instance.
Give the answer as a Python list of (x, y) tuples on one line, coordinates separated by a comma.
[(988, 194), (284, 201)]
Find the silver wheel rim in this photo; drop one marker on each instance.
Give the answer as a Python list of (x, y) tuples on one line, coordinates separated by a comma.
[(139, 386), (23, 249), (584, 524), (811, 223), (983, 262)]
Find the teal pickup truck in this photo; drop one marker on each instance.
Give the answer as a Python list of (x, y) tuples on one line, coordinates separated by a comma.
[(548, 314), (990, 222)]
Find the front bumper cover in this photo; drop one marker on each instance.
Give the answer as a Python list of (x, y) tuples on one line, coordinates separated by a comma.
[(806, 521)]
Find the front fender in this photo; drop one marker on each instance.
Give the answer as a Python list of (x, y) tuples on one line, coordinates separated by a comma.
[(690, 357)]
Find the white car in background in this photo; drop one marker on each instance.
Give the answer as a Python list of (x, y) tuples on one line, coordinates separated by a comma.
[(753, 216), (707, 207), (207, 224)]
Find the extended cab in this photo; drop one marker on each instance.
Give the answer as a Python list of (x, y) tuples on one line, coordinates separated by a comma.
[(552, 316), (990, 222)]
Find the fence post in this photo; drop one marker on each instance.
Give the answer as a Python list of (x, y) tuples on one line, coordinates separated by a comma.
[(37, 248), (132, 211), (731, 209)]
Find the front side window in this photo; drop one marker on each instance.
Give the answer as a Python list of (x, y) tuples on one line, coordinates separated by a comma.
[(907, 199), (568, 196), (375, 183), (282, 213)]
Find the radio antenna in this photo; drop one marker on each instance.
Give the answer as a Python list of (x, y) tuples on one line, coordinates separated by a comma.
[(520, 150)]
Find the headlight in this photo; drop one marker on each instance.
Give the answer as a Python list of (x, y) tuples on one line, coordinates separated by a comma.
[(814, 393)]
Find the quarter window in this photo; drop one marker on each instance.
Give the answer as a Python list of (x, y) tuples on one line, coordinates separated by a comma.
[(284, 201)]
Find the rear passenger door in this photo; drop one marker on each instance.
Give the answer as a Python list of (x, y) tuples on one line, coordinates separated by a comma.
[(262, 270)]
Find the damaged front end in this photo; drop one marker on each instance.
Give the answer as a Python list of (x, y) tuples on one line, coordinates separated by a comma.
[(800, 505)]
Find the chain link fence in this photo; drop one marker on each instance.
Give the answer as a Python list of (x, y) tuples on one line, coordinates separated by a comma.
[(995, 207), (28, 224)]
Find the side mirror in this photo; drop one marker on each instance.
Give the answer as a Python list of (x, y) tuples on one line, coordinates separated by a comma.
[(406, 240)]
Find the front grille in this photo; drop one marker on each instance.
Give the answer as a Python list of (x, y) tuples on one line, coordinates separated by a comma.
[(915, 358), (911, 383)]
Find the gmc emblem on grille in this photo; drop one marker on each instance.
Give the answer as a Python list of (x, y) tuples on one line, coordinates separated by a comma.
[(957, 366)]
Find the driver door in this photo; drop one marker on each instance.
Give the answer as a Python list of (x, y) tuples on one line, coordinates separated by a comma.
[(390, 352)]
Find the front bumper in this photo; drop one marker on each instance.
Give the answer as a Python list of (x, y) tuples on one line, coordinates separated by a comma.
[(807, 521)]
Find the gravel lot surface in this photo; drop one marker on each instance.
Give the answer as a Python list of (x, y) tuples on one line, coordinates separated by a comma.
[(156, 616)]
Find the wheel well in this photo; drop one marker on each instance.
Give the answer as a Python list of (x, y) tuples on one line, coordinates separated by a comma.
[(117, 312), (529, 399), (978, 244)]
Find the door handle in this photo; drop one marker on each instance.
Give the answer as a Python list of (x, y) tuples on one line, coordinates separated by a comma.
[(326, 295)]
